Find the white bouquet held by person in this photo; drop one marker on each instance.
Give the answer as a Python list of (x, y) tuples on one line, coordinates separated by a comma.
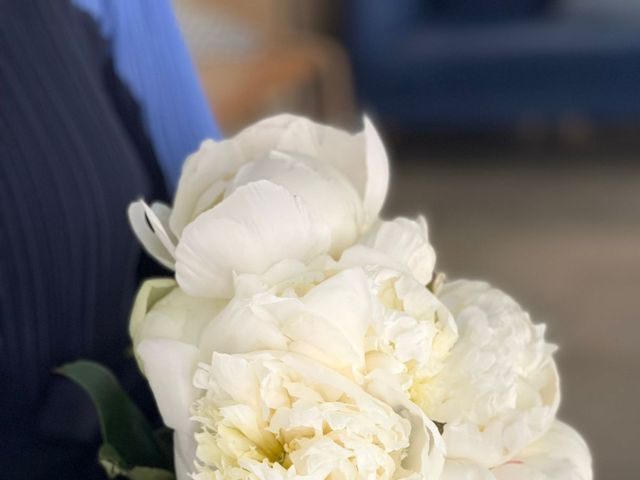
[(302, 336)]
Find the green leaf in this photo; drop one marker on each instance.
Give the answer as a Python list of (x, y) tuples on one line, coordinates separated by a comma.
[(115, 467), (129, 439), (146, 473), (111, 461)]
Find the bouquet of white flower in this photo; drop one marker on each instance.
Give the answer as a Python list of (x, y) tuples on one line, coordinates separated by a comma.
[(304, 337)]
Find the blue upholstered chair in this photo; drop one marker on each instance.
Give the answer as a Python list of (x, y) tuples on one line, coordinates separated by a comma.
[(487, 64)]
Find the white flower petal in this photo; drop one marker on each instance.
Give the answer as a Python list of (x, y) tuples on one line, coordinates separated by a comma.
[(178, 316), (328, 323), (149, 293), (163, 311), (256, 140), (402, 244), (169, 366), (467, 470), (283, 276), (561, 454), (202, 182), (154, 239), (377, 172), (247, 324), (158, 226), (324, 189), (255, 227), (426, 446), (184, 448), (301, 136), (344, 151), (344, 302), (162, 212), (230, 377)]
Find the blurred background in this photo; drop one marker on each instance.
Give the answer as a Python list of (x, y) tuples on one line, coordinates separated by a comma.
[(514, 124)]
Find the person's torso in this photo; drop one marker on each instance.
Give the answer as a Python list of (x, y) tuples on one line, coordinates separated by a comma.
[(73, 155)]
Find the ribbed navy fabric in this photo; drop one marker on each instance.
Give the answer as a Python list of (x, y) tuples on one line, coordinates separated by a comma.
[(74, 151)]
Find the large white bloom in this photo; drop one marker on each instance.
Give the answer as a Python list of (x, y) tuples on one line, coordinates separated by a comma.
[(377, 328), (560, 454), (275, 415), (284, 189), (498, 390)]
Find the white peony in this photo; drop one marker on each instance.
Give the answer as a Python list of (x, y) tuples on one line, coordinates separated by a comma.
[(375, 327), (498, 390), (560, 454), (284, 189), (275, 415)]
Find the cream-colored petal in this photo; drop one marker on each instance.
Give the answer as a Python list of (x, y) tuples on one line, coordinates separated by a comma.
[(154, 238), (324, 190), (377, 172), (248, 324), (511, 428), (179, 316), (158, 226), (230, 378), (561, 454), (204, 177), (170, 367), (466, 470), (426, 447), (258, 225), (258, 139), (361, 158), (328, 323), (149, 293), (184, 449), (344, 302), (401, 244), (163, 213)]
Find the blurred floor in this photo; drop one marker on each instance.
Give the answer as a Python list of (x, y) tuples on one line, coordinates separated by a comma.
[(564, 240)]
